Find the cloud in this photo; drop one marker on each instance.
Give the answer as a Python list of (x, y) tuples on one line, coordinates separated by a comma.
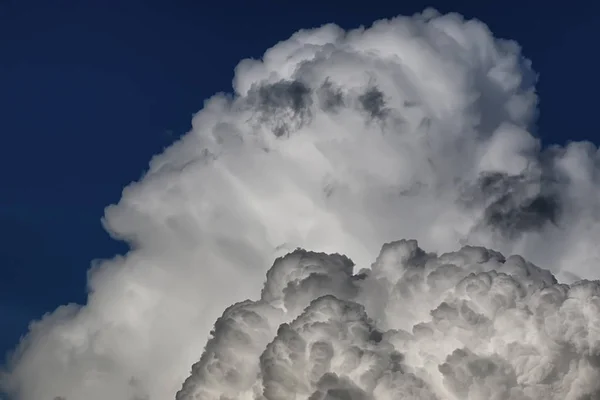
[(335, 141), (470, 324)]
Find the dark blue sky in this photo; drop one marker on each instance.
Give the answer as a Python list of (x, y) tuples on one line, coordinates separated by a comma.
[(90, 90)]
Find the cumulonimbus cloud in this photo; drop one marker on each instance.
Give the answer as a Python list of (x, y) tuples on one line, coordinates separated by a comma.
[(335, 141)]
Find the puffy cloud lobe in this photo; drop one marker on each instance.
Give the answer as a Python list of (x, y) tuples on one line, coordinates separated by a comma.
[(496, 328), (334, 141)]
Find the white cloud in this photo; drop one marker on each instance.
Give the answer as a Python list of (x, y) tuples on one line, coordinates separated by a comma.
[(337, 142), (470, 324)]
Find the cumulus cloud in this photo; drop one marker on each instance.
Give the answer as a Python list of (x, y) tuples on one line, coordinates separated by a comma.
[(338, 141), (470, 324)]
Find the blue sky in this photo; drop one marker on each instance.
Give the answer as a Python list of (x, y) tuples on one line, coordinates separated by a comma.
[(90, 90)]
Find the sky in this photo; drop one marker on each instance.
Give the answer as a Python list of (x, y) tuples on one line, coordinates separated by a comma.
[(91, 90)]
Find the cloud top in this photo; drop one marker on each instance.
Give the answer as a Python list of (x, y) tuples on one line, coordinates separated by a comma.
[(470, 324)]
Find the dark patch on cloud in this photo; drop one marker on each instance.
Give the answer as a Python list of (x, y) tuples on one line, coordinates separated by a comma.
[(294, 95), (373, 102), (497, 183), (375, 336), (509, 209), (285, 104), (511, 218), (331, 98), (333, 387)]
